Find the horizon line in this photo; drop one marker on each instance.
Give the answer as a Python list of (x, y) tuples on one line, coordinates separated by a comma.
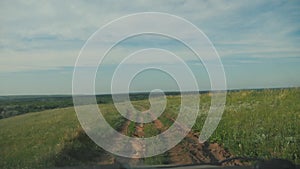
[(145, 92)]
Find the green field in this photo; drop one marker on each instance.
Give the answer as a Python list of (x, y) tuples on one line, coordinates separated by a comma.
[(256, 123)]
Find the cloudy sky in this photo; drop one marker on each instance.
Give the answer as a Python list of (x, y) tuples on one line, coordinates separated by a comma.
[(257, 41)]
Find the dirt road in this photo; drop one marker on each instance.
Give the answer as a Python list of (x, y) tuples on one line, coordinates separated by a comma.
[(188, 151)]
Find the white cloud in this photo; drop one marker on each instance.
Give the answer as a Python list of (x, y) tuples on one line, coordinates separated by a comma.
[(38, 60), (44, 32)]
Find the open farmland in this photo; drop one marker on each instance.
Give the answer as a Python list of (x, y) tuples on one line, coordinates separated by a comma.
[(256, 123)]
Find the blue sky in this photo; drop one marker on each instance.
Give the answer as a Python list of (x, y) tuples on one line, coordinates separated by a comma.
[(258, 42)]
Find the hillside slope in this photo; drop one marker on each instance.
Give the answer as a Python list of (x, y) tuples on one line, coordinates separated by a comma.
[(30, 140), (262, 124)]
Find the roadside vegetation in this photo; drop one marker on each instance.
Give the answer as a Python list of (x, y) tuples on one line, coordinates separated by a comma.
[(255, 123), (17, 105)]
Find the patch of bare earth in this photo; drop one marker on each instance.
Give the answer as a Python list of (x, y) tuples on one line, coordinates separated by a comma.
[(109, 158), (137, 147), (188, 151), (191, 151)]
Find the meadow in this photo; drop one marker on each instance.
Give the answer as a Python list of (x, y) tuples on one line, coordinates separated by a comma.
[(256, 123)]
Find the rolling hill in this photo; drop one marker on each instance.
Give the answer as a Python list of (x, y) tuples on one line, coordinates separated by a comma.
[(256, 123)]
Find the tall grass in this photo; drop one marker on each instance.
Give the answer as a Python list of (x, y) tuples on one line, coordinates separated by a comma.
[(29, 140), (262, 123)]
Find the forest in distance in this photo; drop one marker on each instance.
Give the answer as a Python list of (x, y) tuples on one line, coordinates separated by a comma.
[(17, 105), (255, 123), (20, 104)]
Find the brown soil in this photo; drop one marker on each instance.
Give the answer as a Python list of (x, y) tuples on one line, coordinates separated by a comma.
[(189, 151), (158, 124), (111, 159), (137, 147), (124, 129)]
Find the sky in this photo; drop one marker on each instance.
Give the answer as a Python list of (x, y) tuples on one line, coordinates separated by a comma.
[(40, 41)]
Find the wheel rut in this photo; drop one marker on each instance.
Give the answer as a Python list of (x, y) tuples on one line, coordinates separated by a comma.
[(188, 151), (191, 151)]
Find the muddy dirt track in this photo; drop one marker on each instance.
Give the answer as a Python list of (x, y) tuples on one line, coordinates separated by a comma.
[(188, 151)]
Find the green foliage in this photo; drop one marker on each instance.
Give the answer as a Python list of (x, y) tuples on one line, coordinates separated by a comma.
[(78, 150), (260, 123), (131, 129), (16, 105), (28, 141)]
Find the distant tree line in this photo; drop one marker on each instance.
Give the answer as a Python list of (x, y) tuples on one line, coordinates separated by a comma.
[(17, 105)]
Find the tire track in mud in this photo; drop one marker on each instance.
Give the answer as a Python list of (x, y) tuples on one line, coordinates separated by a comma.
[(137, 148), (195, 152), (188, 151), (110, 158), (161, 128), (179, 154), (124, 130)]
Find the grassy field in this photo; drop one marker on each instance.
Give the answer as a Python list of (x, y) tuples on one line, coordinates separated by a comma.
[(262, 123), (28, 141), (256, 123)]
